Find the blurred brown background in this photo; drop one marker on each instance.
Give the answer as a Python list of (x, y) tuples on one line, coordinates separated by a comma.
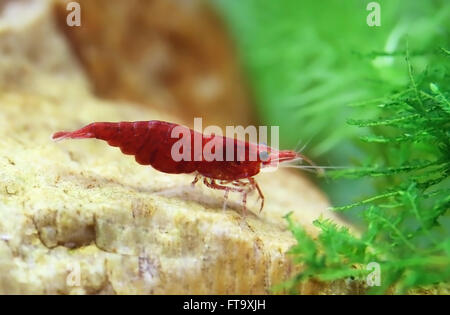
[(172, 55)]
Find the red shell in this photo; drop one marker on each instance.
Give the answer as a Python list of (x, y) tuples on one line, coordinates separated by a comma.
[(151, 143)]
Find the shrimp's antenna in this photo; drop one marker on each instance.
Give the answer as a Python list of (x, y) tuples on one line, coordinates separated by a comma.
[(311, 163), (298, 144), (311, 168), (303, 157), (304, 146)]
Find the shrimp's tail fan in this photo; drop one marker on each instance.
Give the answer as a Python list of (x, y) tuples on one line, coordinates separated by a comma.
[(130, 137), (78, 134)]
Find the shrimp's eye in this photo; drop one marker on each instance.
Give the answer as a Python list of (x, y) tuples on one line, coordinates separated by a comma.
[(264, 156)]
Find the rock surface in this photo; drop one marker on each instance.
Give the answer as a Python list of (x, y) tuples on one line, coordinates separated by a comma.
[(79, 217)]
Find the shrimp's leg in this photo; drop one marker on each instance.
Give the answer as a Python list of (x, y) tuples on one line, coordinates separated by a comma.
[(239, 183), (197, 177), (245, 191), (254, 184), (227, 189), (244, 201), (214, 185), (225, 197)]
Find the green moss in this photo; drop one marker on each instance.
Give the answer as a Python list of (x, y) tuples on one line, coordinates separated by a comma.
[(406, 223), (309, 64)]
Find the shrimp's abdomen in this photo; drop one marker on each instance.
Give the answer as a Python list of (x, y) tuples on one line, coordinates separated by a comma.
[(128, 136), (149, 141)]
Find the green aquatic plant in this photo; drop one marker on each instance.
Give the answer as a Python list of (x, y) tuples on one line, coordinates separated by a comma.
[(304, 61), (407, 226)]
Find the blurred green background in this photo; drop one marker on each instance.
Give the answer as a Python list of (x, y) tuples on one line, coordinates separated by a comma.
[(307, 61)]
